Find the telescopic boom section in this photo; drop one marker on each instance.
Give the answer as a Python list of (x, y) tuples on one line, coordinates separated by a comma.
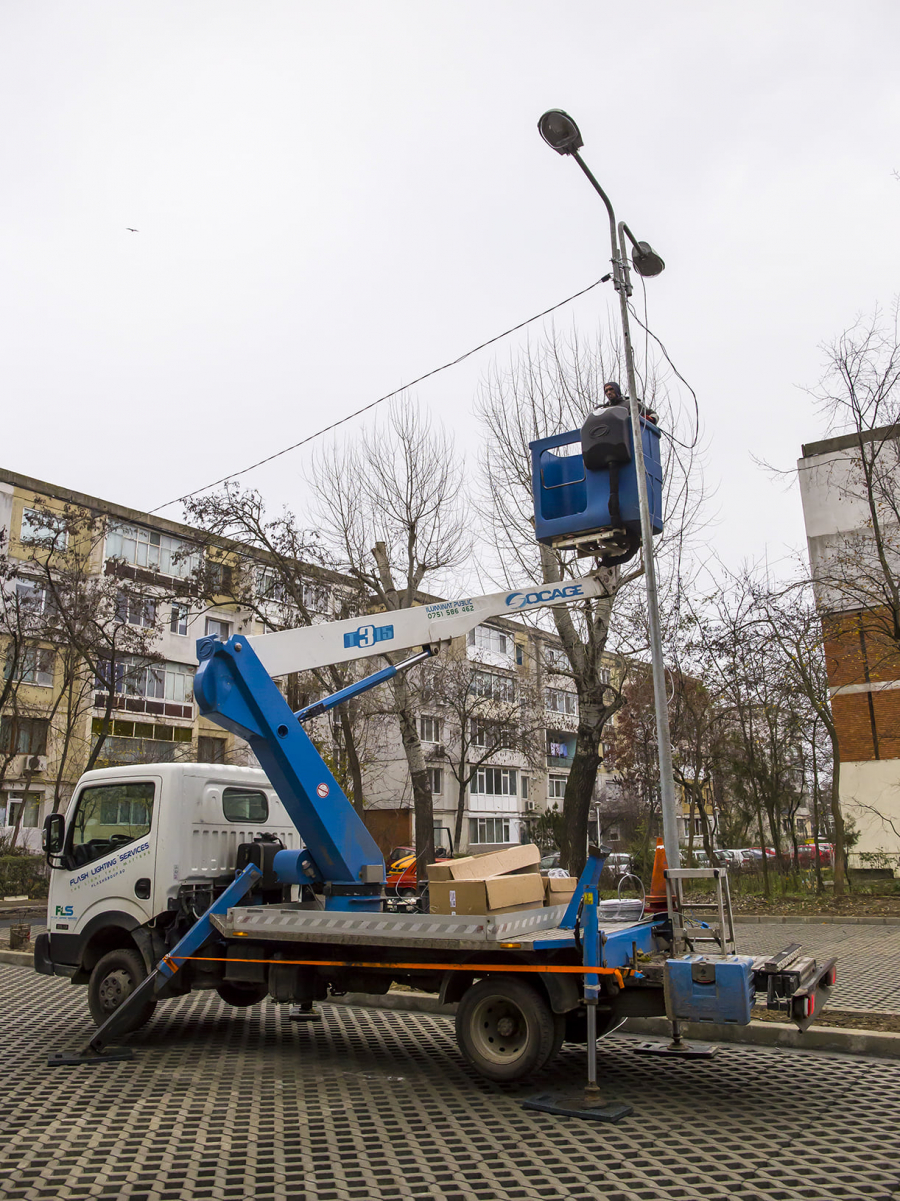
[(234, 688)]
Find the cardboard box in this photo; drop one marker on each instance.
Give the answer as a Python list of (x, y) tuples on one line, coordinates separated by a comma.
[(497, 894), (558, 890), (480, 867)]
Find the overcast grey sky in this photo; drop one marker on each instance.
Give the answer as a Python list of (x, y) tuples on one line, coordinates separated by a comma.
[(333, 198)]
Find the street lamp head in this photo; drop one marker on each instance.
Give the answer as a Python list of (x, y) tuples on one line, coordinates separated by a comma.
[(560, 132), (645, 260)]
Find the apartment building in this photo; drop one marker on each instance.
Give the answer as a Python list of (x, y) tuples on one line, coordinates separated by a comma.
[(497, 724), (854, 578)]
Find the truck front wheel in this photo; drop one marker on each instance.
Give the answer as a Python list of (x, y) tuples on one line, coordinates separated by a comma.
[(505, 1029), (113, 980)]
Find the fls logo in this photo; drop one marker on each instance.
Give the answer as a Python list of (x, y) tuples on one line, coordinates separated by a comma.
[(65, 911)]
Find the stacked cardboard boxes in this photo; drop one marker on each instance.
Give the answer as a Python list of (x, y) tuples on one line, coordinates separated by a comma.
[(499, 882)]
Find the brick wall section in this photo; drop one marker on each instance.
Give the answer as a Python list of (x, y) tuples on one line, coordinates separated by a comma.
[(857, 652)]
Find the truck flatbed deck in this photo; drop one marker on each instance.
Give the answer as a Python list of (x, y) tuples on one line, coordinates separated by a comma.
[(291, 924)]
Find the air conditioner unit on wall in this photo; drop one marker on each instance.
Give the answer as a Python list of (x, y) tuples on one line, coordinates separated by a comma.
[(530, 806)]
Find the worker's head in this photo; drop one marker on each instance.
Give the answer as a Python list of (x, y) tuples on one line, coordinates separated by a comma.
[(613, 394)]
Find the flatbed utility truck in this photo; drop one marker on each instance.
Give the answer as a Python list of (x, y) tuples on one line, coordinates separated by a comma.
[(171, 878)]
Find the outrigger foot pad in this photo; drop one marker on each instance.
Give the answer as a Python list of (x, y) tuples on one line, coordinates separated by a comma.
[(573, 1104), (677, 1049), (299, 1014), (68, 1059)]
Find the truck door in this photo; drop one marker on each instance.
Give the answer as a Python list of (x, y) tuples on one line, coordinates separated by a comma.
[(109, 859)]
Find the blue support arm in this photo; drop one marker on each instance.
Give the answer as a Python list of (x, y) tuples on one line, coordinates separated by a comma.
[(234, 690), (363, 685)]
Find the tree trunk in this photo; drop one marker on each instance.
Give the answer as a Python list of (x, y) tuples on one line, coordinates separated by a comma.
[(353, 760), (418, 773), (577, 803), (460, 810)]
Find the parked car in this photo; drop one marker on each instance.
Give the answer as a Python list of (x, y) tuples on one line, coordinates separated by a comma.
[(550, 861), (806, 853), (731, 859), (619, 863)]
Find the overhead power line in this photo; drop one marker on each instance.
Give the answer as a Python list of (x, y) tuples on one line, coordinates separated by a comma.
[(381, 399)]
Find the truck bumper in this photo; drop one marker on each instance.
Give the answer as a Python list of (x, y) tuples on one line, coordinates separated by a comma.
[(44, 964)]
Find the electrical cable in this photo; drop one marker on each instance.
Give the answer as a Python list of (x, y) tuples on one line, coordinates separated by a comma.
[(428, 374), (645, 327)]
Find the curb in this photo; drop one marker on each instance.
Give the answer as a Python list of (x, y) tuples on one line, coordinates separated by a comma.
[(844, 1040), (758, 1034), (825, 919), (17, 958)]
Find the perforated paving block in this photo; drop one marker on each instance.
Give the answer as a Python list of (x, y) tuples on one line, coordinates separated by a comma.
[(226, 1103)]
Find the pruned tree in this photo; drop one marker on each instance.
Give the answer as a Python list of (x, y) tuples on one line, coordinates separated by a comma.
[(550, 389), (390, 508)]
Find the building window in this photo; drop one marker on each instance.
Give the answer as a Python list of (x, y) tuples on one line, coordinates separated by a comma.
[(178, 622), (150, 549), (211, 750), (156, 681), (558, 701), (605, 675), (524, 782), (136, 610), (499, 736), (436, 780), (269, 585), (31, 814), (484, 638), (33, 599), (556, 788), (556, 659), (488, 829), (612, 835), (41, 528), (24, 735), (316, 597), (34, 665), (493, 686), (219, 629), (494, 781), (557, 750), (220, 576), (430, 729)]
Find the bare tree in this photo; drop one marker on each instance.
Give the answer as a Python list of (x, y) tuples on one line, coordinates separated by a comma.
[(276, 571), (491, 718), (390, 508)]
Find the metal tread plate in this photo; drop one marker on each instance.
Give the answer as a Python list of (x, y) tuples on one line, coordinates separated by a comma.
[(280, 923)]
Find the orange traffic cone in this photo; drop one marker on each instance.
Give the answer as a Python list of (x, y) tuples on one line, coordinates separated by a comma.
[(657, 901)]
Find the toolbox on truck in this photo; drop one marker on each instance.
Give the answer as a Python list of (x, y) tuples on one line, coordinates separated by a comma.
[(700, 988)]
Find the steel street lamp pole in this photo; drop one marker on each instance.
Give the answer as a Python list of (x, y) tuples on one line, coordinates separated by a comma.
[(561, 133)]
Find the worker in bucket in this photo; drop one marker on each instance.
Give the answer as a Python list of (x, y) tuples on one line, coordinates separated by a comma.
[(612, 394)]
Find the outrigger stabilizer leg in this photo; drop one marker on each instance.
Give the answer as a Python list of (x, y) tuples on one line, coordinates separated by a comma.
[(98, 1050)]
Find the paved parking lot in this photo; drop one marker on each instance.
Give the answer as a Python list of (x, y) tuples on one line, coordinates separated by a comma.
[(221, 1103), (868, 958)]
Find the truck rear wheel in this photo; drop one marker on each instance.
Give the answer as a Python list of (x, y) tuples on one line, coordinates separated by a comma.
[(113, 979), (505, 1029), (241, 995)]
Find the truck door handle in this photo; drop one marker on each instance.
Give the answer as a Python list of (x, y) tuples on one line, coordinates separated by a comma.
[(142, 889)]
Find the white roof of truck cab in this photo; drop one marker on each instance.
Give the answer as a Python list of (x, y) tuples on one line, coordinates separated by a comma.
[(209, 771)]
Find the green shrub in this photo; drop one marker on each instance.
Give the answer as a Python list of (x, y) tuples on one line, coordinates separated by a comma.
[(23, 875)]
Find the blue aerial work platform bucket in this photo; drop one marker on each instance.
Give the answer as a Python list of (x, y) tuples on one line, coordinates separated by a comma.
[(572, 502)]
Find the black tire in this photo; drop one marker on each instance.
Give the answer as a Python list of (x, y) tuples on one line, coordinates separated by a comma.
[(113, 979), (559, 1037), (241, 995), (505, 1029)]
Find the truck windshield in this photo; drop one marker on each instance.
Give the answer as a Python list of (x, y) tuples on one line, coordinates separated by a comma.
[(107, 817)]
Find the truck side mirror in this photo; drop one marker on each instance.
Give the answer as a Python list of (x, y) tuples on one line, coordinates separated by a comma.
[(53, 835)]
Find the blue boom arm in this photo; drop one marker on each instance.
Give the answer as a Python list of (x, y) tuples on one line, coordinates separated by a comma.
[(234, 690)]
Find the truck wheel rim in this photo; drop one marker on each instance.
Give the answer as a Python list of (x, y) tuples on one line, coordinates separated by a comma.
[(114, 989), (499, 1030)]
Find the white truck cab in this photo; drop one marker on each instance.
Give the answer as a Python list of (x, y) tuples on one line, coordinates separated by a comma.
[(141, 844)]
